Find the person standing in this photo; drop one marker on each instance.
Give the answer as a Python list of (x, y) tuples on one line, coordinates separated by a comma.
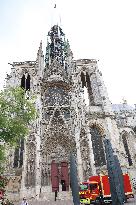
[(24, 202)]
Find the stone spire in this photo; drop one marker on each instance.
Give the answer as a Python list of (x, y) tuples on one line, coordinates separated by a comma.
[(58, 48), (40, 51)]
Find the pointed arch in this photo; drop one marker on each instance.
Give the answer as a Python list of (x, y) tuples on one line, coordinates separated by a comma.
[(23, 82), (86, 83), (18, 154), (28, 82), (89, 88), (98, 146), (83, 80)]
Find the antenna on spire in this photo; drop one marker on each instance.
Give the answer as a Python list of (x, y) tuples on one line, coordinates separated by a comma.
[(55, 14)]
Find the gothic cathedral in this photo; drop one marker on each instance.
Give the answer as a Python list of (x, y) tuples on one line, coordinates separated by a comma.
[(66, 123)]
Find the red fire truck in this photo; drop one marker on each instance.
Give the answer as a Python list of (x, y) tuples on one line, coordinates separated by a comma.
[(97, 188)]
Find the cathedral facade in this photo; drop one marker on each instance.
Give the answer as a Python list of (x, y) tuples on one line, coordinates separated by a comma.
[(66, 123)]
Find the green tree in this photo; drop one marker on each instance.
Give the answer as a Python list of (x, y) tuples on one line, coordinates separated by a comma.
[(16, 113)]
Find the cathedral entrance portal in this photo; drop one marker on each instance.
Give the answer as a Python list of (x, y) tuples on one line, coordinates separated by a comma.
[(59, 175)]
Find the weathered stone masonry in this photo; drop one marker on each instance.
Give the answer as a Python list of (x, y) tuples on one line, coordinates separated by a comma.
[(65, 122)]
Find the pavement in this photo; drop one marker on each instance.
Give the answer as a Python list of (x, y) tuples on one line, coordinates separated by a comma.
[(66, 202), (131, 201), (59, 202)]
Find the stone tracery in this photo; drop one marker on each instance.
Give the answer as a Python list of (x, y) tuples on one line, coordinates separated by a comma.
[(31, 166)]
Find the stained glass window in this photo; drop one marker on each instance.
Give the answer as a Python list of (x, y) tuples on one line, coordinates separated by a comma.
[(98, 149), (18, 154)]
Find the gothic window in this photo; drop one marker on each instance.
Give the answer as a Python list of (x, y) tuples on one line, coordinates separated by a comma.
[(83, 80), (25, 82), (28, 82), (16, 157), (127, 150), (18, 154), (98, 149), (87, 84), (21, 152), (89, 88)]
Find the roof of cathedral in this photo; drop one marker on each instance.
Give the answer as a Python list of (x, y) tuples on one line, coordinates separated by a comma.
[(122, 107)]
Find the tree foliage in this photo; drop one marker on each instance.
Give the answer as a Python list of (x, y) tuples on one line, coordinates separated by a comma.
[(16, 113)]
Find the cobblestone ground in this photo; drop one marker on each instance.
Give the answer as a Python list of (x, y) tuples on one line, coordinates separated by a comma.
[(63, 202), (67, 202)]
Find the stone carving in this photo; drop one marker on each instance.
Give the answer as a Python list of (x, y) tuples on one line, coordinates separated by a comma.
[(31, 156)]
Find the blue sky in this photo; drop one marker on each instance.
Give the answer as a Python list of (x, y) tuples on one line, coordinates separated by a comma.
[(100, 29)]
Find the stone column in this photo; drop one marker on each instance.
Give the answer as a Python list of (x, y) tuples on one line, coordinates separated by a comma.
[(38, 168), (24, 172), (79, 159), (92, 162)]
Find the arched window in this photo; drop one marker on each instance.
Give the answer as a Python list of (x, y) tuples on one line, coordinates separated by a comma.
[(83, 80), (127, 149), (28, 82), (25, 82), (98, 149), (16, 157), (18, 154), (89, 88), (87, 84)]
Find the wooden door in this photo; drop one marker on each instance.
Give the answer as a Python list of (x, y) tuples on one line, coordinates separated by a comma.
[(54, 176), (64, 176)]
